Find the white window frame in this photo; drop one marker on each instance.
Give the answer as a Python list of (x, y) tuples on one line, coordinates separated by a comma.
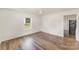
[(30, 23)]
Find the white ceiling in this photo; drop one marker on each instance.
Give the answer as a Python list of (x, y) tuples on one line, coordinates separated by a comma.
[(42, 11)]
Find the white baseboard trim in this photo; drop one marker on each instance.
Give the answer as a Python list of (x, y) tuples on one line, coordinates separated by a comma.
[(18, 36), (53, 34)]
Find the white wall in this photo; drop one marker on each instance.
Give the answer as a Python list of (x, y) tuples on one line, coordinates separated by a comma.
[(54, 23), (77, 29), (12, 22)]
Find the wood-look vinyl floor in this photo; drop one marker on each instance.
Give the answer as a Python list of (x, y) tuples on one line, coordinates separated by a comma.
[(40, 41)]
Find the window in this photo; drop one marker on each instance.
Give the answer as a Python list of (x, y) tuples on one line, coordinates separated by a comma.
[(27, 23)]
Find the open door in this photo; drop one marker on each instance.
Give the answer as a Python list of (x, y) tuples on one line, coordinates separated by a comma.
[(72, 27)]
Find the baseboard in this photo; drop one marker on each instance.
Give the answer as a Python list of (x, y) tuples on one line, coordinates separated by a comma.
[(52, 34), (20, 36), (29, 34)]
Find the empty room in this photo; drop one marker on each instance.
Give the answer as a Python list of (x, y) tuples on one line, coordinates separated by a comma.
[(39, 28)]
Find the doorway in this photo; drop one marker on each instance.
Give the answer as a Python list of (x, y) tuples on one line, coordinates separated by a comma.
[(69, 30), (70, 26)]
